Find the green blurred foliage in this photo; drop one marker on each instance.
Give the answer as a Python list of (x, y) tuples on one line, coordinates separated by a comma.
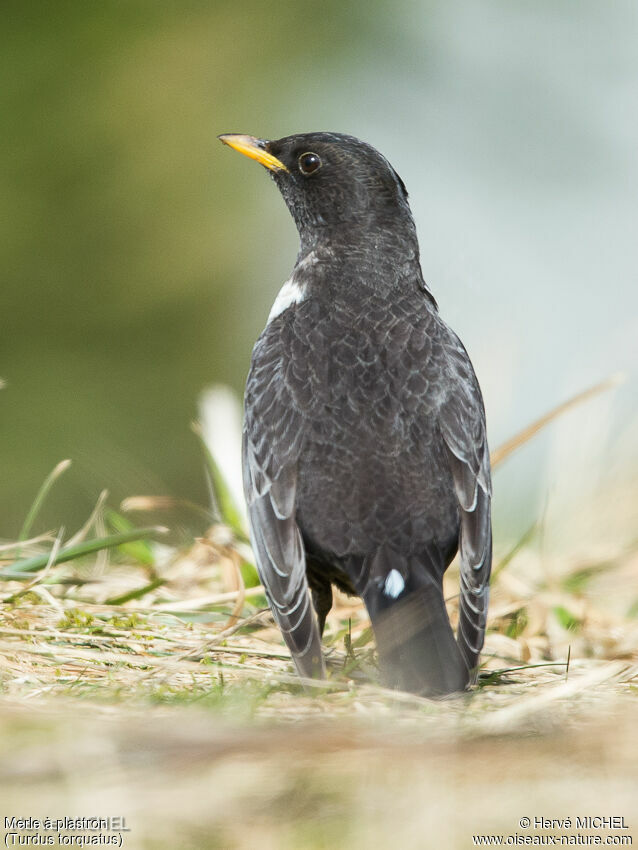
[(124, 282), (139, 258)]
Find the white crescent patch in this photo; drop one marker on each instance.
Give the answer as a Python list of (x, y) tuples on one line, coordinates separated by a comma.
[(294, 289), (290, 293)]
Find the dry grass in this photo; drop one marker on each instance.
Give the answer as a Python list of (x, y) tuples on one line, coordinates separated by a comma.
[(195, 628), (152, 683), (180, 710)]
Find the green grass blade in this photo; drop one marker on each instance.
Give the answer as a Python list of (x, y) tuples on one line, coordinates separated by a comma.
[(137, 593), (139, 550), (230, 514), (38, 562), (567, 620), (7, 575), (249, 574), (43, 492)]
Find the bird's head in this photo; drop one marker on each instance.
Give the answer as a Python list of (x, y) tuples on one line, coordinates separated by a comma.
[(330, 181)]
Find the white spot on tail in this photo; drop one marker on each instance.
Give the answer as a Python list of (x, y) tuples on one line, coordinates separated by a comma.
[(394, 584)]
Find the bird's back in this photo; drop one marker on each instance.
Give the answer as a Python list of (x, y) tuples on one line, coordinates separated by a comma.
[(364, 377)]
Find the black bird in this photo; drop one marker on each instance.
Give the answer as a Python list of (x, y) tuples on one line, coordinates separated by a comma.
[(364, 449)]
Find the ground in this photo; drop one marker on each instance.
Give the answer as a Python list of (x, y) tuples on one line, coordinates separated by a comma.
[(153, 686)]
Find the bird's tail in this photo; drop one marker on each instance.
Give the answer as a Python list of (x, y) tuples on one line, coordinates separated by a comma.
[(416, 644)]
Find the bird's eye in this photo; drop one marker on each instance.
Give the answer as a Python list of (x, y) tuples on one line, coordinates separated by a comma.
[(309, 162)]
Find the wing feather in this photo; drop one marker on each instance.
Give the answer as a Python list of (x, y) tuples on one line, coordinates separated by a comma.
[(280, 556), (462, 420)]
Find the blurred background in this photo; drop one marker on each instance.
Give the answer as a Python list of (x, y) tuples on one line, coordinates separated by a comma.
[(139, 258)]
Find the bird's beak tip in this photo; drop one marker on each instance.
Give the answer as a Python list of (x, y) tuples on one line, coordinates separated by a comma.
[(253, 148)]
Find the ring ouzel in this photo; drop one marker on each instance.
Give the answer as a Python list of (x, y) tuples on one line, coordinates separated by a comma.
[(365, 454)]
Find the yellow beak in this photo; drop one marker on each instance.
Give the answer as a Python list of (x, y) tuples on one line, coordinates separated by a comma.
[(253, 148)]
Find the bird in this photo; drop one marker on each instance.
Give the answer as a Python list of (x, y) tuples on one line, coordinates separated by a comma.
[(365, 456)]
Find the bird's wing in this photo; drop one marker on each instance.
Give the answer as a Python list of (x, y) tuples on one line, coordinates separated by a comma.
[(462, 421), (271, 440)]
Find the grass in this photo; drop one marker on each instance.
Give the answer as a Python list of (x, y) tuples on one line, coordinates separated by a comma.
[(149, 680)]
